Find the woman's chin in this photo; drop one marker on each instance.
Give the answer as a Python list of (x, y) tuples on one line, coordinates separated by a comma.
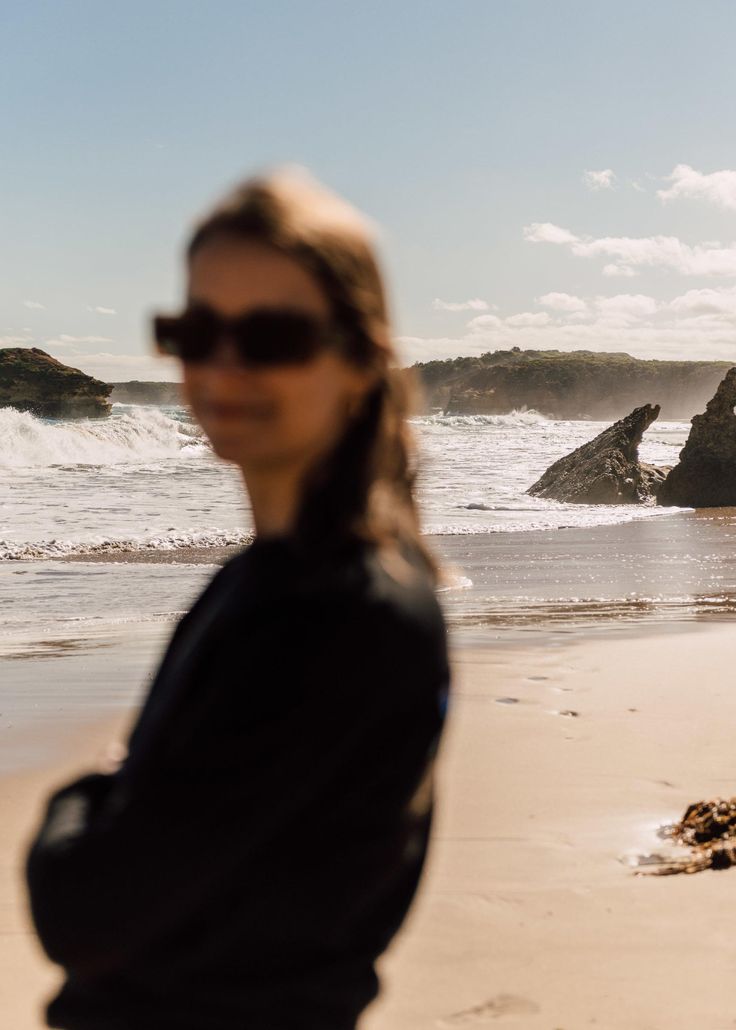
[(243, 451), (232, 449)]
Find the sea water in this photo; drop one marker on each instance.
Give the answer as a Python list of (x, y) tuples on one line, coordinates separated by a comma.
[(146, 479)]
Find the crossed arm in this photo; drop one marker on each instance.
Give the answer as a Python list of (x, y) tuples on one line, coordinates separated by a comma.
[(119, 865)]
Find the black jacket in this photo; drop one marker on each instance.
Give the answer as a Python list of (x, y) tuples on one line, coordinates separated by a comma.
[(263, 840)]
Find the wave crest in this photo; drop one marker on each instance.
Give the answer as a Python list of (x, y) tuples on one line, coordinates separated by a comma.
[(520, 417), (135, 435), (170, 541)]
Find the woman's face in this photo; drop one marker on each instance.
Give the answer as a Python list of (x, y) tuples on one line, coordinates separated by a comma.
[(283, 416)]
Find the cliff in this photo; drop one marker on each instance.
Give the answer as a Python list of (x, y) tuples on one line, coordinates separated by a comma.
[(31, 380), (569, 385), (137, 392)]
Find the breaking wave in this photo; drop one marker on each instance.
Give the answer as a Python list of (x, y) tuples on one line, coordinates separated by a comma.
[(170, 541), (522, 417), (128, 435)]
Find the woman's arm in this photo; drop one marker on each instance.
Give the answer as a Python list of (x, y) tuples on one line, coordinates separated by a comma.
[(118, 866)]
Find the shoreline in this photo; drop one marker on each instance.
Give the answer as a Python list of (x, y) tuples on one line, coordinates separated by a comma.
[(216, 555), (644, 573), (527, 910)]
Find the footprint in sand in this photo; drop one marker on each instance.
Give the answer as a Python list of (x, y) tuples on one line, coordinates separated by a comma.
[(499, 1007)]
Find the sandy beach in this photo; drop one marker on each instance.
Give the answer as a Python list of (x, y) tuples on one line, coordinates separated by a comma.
[(529, 913), (561, 758)]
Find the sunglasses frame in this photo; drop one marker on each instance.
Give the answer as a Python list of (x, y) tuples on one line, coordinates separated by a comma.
[(317, 334)]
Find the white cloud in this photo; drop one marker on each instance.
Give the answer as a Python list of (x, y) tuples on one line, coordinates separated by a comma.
[(698, 324), (485, 321), (602, 180), (626, 307), (34, 304), (546, 232), (102, 311), (705, 302), (562, 302), (717, 188), (465, 305), (633, 252), (636, 185)]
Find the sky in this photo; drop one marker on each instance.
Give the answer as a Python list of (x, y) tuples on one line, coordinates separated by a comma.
[(544, 175)]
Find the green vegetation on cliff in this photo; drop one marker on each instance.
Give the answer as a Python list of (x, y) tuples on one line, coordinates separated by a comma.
[(568, 384), (31, 380)]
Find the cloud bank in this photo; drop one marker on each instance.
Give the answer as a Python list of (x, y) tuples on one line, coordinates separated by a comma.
[(696, 324), (633, 253)]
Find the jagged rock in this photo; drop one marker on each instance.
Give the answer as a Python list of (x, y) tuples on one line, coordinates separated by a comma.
[(706, 474), (31, 380), (606, 470)]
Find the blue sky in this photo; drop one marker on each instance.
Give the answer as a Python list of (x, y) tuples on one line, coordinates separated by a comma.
[(465, 129)]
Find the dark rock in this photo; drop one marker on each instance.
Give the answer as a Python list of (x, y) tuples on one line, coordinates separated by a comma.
[(606, 470), (706, 474), (31, 380)]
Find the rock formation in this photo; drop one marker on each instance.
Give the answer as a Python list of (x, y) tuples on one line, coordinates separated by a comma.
[(31, 380), (606, 470), (706, 474), (569, 385)]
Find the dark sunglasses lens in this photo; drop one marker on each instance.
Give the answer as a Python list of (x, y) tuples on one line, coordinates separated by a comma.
[(189, 336), (263, 337), (274, 338)]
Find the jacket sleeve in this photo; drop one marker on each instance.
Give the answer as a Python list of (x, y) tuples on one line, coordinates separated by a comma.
[(119, 865)]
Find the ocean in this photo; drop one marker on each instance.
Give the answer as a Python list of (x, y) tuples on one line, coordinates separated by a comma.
[(109, 529), (146, 483)]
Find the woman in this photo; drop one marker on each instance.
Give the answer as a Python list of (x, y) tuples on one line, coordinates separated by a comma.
[(260, 844)]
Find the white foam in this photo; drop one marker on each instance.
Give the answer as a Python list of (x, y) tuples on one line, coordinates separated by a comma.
[(520, 417), (560, 516), (10, 550), (129, 435)]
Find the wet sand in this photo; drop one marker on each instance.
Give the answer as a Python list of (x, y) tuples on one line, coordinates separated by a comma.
[(562, 755), (654, 569), (158, 556)]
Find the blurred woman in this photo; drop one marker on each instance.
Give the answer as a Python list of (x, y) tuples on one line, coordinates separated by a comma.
[(260, 844)]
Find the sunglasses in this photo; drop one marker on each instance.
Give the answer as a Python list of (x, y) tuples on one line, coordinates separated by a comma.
[(265, 336)]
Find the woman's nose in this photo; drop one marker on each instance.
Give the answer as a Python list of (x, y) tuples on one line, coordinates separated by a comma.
[(225, 353)]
